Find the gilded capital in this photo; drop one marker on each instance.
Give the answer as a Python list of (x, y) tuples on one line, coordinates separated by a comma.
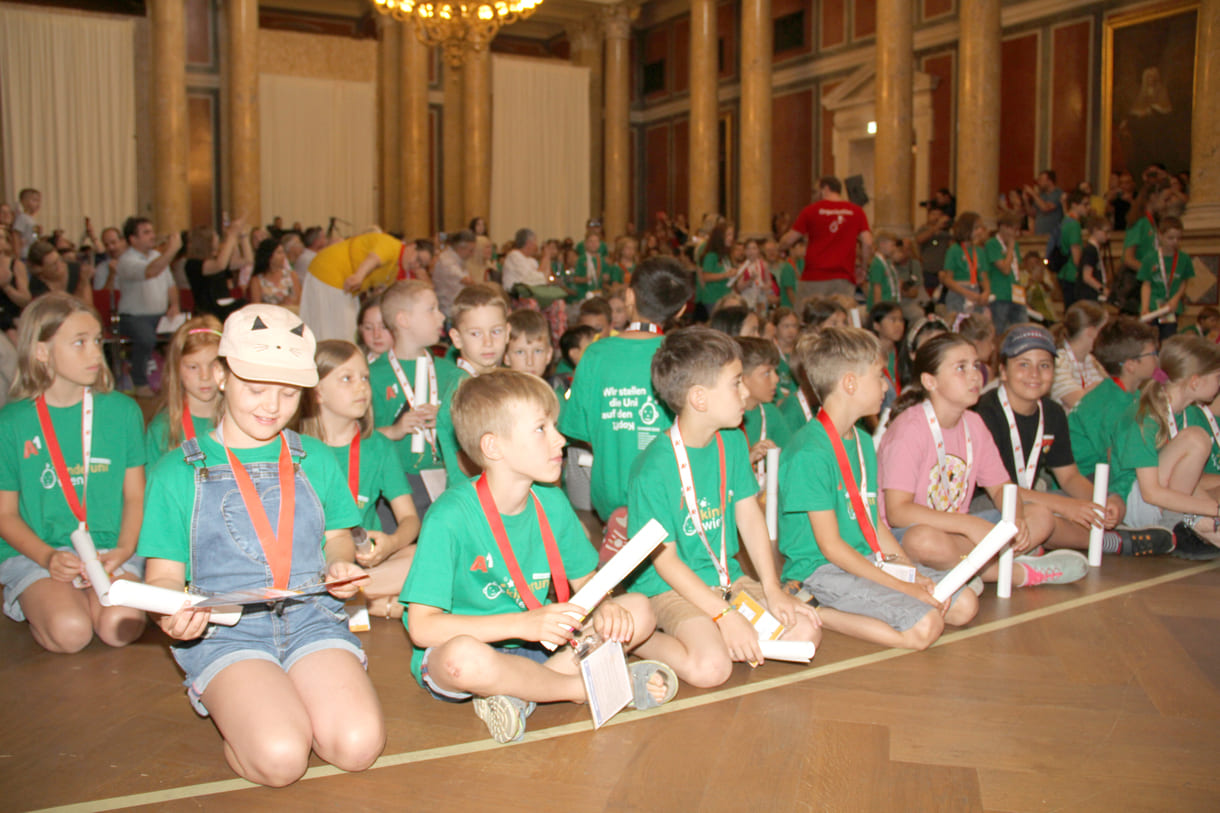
[(617, 19)]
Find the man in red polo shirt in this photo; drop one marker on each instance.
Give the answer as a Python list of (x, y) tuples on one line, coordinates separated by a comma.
[(834, 227)]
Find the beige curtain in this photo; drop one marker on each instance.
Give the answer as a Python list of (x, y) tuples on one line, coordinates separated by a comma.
[(319, 150), (539, 148), (67, 113)]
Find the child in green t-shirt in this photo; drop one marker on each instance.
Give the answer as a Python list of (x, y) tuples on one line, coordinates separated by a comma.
[(256, 507), (529, 343), (63, 413), (597, 314), (1204, 415), (1163, 276), (1158, 461), (825, 478), (1071, 244), (190, 394), (612, 405), (412, 313), (490, 552), (787, 328), (965, 275), (697, 483), (1126, 349), (883, 285), (339, 414), (782, 271), (1002, 257), (886, 322), (1206, 322), (764, 425)]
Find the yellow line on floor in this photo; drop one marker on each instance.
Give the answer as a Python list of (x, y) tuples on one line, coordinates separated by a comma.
[(474, 747)]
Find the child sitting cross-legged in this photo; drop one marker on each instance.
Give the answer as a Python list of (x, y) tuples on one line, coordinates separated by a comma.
[(765, 427), (476, 619), (825, 478), (696, 481)]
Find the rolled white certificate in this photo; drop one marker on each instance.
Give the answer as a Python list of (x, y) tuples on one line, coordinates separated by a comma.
[(153, 599), (584, 458), (772, 512), (1003, 586), (792, 651), (1101, 484), (854, 315), (990, 545), (618, 568), (421, 398), (82, 543), (1154, 315)]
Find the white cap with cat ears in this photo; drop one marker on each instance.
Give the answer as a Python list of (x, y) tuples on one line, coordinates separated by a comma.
[(269, 343)]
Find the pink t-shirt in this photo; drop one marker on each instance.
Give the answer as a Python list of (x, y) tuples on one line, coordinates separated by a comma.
[(832, 227), (906, 461)]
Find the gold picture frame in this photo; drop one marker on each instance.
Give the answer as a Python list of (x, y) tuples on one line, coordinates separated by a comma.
[(1143, 102)]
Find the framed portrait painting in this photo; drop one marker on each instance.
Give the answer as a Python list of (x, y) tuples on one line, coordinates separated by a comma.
[(1148, 75)]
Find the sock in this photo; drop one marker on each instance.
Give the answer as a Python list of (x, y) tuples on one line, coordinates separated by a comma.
[(1111, 542)]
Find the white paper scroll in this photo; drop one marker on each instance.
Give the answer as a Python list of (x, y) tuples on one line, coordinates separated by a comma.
[(792, 651), (1008, 512), (421, 398), (772, 506), (618, 568), (153, 599), (975, 561), (1154, 315), (82, 543), (1101, 484)]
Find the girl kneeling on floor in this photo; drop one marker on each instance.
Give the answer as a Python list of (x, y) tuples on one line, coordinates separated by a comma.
[(289, 676)]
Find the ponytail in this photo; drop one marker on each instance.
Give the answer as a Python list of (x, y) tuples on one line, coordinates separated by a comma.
[(928, 359), (1181, 357)]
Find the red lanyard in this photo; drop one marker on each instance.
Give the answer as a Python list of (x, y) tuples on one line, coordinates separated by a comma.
[(188, 426), (403, 271), (1114, 378), (972, 260), (559, 577), (353, 466), (277, 547), (57, 459), (853, 490)]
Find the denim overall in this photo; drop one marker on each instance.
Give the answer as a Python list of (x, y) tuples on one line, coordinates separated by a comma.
[(226, 555)]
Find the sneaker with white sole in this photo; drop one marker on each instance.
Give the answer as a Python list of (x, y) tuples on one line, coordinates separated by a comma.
[(1056, 567), (504, 715), (1145, 541)]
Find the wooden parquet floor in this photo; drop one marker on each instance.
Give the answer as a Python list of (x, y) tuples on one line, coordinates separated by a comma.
[(1103, 696)]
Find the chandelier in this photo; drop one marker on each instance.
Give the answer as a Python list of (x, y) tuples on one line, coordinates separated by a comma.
[(457, 26)]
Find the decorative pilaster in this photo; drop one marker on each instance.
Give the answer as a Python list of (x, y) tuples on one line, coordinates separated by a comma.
[(704, 194)]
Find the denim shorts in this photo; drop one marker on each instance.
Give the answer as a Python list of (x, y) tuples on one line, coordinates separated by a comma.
[(1142, 514), (992, 515), (18, 572), (303, 628), (534, 652), (839, 590)]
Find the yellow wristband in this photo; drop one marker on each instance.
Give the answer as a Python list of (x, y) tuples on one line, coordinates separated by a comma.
[(716, 618)]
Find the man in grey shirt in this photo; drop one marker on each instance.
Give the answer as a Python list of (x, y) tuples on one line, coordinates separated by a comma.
[(1046, 199), (449, 274), (146, 293)]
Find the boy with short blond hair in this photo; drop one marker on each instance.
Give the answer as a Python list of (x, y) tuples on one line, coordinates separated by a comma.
[(412, 314), (697, 483), (490, 552), (830, 536), (529, 343)]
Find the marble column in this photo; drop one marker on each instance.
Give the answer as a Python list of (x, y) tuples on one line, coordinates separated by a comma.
[(586, 40), (1203, 212), (171, 208), (616, 165), (413, 135), (452, 163), (476, 144), (704, 78), (892, 161), (245, 194), (755, 197), (389, 147), (978, 108)]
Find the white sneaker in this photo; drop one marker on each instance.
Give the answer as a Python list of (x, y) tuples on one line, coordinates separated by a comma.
[(1056, 567)]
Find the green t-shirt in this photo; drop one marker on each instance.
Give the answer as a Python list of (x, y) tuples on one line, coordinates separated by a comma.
[(787, 383), (1001, 282), (458, 567), (787, 282), (709, 293), (613, 408), (1094, 423), (1142, 235), (590, 269), (1178, 269), (656, 493), (380, 476), (1194, 417), (1069, 235), (612, 274), (810, 480), (958, 266), (1134, 448), (156, 436), (388, 400), (169, 499), (791, 409), (778, 429), (446, 435), (25, 467), (878, 274)]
